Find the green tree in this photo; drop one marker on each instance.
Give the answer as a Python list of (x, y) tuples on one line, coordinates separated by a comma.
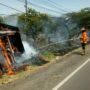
[(82, 17), (1, 19), (35, 22)]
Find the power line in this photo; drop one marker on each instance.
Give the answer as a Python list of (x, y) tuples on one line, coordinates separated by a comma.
[(45, 8), (56, 5), (57, 8), (42, 7), (10, 7), (3, 15)]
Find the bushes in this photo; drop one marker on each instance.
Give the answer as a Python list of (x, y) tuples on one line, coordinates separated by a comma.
[(48, 55)]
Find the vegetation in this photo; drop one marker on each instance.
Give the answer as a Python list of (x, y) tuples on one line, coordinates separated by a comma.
[(35, 22), (48, 55), (1, 19), (82, 18)]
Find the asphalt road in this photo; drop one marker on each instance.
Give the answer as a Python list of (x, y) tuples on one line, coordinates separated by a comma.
[(80, 81), (49, 77)]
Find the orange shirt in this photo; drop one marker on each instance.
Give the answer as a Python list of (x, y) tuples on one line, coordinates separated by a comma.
[(84, 37)]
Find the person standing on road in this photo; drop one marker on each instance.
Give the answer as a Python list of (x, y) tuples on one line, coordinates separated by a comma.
[(84, 39)]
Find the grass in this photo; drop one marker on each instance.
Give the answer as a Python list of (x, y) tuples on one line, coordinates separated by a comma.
[(4, 79), (48, 55)]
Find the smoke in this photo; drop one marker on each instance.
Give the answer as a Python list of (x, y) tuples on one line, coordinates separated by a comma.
[(11, 20), (29, 51), (28, 54)]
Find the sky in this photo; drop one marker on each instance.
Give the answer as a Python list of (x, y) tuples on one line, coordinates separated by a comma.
[(52, 7)]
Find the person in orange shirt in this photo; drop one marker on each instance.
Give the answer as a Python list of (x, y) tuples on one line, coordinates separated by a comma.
[(84, 39)]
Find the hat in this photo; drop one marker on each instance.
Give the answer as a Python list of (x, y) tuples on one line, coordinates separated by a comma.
[(83, 29)]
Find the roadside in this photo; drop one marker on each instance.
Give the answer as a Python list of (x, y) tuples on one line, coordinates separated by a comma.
[(49, 75), (48, 56)]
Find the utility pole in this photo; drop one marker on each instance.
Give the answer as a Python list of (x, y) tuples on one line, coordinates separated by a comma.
[(26, 10), (26, 18)]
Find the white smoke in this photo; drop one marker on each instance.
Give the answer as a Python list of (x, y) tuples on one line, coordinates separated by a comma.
[(29, 50), (11, 20), (29, 53)]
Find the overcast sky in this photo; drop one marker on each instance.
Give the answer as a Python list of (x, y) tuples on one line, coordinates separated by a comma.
[(53, 7)]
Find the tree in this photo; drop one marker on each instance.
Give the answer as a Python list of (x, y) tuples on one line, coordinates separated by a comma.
[(82, 17), (35, 22), (1, 19)]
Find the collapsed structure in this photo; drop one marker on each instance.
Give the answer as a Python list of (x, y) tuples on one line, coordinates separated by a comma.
[(10, 43)]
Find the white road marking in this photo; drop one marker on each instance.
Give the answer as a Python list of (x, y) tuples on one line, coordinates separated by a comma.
[(69, 76)]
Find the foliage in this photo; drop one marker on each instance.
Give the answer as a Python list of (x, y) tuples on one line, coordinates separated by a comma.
[(82, 17), (49, 55), (34, 21), (1, 19)]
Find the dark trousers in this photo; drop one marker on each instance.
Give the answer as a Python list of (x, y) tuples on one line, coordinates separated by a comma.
[(83, 45)]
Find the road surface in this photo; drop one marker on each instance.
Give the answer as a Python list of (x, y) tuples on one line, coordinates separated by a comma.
[(77, 80)]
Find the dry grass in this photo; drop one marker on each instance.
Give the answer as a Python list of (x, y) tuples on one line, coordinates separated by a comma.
[(4, 79)]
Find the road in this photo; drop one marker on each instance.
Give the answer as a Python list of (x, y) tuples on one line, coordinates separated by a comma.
[(69, 73), (77, 80)]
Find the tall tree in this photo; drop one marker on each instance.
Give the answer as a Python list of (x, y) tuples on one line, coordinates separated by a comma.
[(35, 22), (82, 17), (1, 19)]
